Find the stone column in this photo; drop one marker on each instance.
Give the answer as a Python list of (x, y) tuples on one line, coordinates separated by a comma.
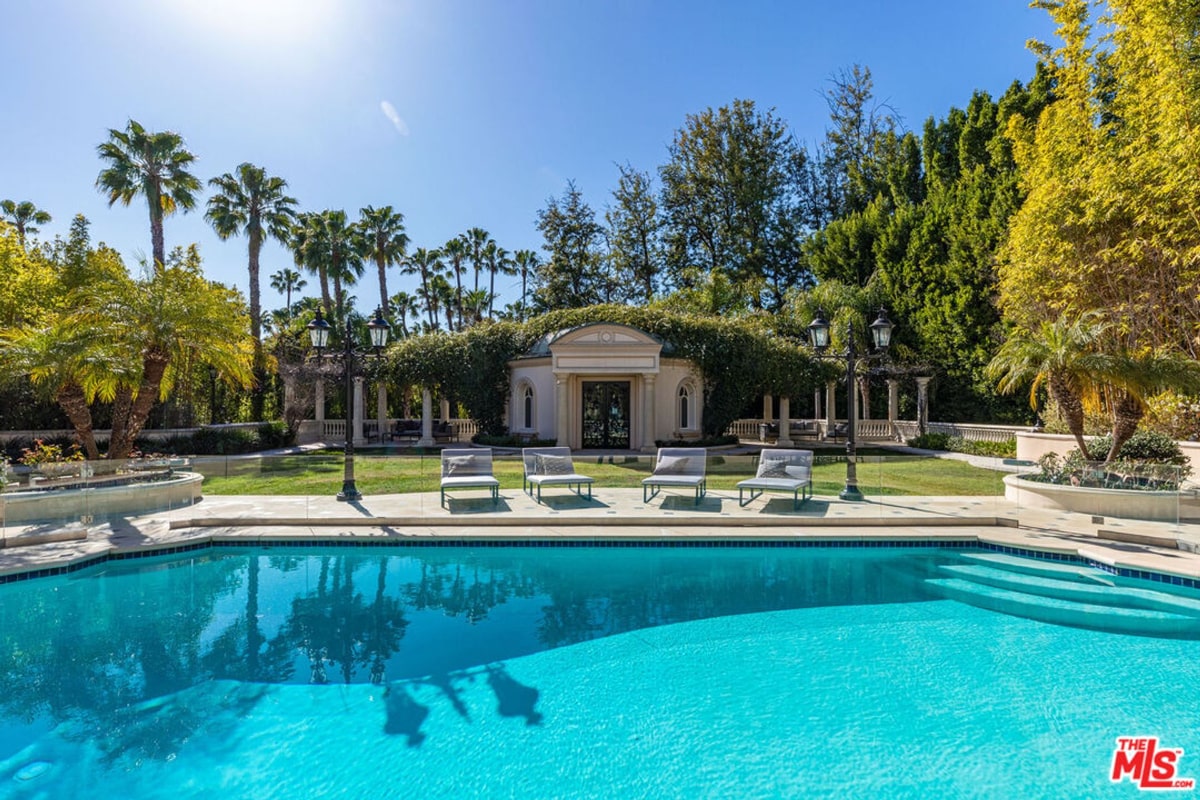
[(444, 408), (319, 400), (649, 417), (922, 405), (359, 439), (830, 406), (816, 404), (426, 439), (785, 422), (562, 413), (381, 411), (768, 408), (893, 405)]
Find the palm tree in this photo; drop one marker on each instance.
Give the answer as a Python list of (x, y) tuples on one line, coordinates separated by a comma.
[(383, 232), (498, 260), (252, 203), (424, 263), (150, 164), (23, 215), (309, 251), (286, 281), (1061, 356), (475, 304), (1135, 378), (442, 290), (345, 248), (431, 296), (455, 252), (527, 262), (476, 240), (404, 304)]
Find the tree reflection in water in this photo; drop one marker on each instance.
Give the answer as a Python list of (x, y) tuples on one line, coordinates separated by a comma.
[(105, 650)]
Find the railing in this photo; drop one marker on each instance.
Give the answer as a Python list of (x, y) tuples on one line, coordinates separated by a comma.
[(885, 430), (334, 430), (103, 435)]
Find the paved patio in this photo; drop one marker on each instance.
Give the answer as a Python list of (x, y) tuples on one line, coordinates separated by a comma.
[(615, 514)]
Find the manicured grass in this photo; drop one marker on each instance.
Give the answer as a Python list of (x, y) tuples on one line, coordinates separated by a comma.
[(322, 474)]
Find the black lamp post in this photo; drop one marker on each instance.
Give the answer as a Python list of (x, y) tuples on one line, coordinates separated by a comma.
[(881, 338), (318, 331)]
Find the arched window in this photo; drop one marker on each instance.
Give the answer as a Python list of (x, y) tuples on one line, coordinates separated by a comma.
[(527, 407), (685, 407)]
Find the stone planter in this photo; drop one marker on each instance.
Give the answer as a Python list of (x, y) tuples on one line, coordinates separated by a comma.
[(1124, 503)]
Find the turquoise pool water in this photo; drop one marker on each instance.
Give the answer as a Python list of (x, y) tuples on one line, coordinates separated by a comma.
[(583, 672)]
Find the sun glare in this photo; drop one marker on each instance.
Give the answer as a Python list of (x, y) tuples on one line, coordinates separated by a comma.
[(272, 24)]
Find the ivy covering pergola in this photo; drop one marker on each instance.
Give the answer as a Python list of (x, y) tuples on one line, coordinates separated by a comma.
[(739, 359)]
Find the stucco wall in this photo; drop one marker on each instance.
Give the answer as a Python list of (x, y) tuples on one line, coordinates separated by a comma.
[(538, 374), (1032, 446)]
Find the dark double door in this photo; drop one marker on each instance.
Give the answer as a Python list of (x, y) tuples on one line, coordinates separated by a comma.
[(606, 414)]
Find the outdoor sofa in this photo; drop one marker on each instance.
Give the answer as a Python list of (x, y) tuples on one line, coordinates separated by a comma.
[(780, 470), (552, 466), (677, 466)]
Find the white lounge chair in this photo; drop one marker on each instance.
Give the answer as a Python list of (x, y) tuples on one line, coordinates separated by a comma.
[(552, 466), (468, 469), (780, 471), (677, 466)]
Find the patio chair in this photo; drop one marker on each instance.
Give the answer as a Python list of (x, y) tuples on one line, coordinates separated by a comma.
[(677, 466), (552, 466), (780, 471), (468, 469)]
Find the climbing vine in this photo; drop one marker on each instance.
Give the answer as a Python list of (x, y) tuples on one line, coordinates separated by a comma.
[(738, 359)]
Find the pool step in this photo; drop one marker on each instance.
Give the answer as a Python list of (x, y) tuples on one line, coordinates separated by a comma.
[(1116, 596), (1067, 612), (1046, 569)]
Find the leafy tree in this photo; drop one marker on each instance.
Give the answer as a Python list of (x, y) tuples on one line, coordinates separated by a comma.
[(24, 216), (732, 199), (634, 236), (154, 165), (571, 277), (385, 243)]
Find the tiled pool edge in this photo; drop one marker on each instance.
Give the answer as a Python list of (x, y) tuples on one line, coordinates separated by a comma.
[(217, 542)]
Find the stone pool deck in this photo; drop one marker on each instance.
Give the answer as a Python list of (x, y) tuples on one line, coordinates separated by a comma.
[(1168, 548)]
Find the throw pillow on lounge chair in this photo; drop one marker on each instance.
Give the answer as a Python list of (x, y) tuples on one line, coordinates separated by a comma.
[(459, 464), (672, 465), (553, 465), (772, 468)]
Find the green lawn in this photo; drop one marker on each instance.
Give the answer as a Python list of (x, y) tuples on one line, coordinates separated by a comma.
[(322, 474)]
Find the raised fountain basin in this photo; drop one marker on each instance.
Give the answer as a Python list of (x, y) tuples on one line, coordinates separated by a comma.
[(106, 498)]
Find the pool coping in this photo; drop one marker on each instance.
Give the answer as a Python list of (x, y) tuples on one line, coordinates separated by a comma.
[(1060, 548)]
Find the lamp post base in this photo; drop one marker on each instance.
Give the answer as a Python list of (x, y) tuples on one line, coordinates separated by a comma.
[(349, 493), (852, 494)]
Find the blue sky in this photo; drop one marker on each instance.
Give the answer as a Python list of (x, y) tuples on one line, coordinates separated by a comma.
[(490, 106)]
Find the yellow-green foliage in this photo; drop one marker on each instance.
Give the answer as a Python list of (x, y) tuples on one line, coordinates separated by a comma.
[(1112, 170)]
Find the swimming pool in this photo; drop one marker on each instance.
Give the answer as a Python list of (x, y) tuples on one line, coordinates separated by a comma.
[(586, 672)]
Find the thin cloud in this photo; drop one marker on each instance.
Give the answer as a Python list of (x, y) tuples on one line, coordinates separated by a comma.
[(389, 111)]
